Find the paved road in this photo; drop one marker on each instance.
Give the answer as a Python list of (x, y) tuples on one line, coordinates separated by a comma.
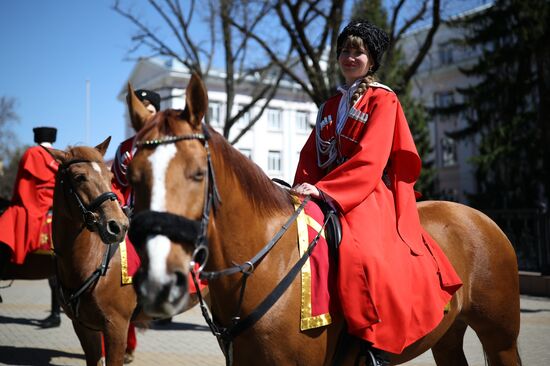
[(187, 341)]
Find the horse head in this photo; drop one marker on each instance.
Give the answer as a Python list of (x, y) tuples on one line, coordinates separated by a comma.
[(83, 192), (169, 174)]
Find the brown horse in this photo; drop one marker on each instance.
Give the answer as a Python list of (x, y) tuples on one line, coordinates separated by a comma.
[(191, 184), (88, 225)]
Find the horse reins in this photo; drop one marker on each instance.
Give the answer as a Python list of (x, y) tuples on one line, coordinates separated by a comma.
[(147, 223)]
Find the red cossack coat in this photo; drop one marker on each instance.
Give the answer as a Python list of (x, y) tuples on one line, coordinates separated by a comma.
[(21, 223), (393, 279), (123, 157)]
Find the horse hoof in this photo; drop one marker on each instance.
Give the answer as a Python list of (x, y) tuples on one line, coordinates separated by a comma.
[(128, 357)]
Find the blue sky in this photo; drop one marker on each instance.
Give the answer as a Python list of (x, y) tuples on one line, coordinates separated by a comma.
[(49, 49)]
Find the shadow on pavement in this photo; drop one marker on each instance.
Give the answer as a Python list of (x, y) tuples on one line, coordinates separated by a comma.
[(179, 326), (23, 321), (535, 310), (32, 356)]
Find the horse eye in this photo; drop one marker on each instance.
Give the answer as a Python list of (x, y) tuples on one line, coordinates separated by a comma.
[(80, 178), (199, 175)]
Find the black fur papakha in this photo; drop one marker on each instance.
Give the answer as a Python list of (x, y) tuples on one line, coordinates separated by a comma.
[(374, 38)]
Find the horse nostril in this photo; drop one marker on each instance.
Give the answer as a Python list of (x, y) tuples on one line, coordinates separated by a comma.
[(181, 279), (113, 227)]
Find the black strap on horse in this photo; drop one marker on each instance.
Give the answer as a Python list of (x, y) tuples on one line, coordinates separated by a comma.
[(74, 298), (226, 335), (176, 227), (89, 217)]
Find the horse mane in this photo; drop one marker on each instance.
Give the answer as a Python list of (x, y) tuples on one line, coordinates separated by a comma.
[(267, 197)]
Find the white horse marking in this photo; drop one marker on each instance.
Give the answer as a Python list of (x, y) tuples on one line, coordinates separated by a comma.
[(96, 167), (160, 160), (158, 248)]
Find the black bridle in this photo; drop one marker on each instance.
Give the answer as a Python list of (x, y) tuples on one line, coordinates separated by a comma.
[(178, 228), (91, 222), (89, 216), (181, 229)]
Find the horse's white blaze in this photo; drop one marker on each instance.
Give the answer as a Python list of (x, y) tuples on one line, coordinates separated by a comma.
[(158, 246), (160, 160), (96, 167)]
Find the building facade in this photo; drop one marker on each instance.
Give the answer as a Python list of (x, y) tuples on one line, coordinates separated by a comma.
[(435, 85), (275, 140)]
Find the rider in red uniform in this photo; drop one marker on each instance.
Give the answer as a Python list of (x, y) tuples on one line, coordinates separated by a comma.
[(21, 224), (123, 156), (393, 280)]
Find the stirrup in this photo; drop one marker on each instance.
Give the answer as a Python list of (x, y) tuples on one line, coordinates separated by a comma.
[(373, 357), (375, 361)]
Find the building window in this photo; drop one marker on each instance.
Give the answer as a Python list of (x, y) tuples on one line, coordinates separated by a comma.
[(246, 152), (274, 119), (301, 122), (214, 114), (245, 119), (444, 99), (445, 55), (274, 161), (448, 152)]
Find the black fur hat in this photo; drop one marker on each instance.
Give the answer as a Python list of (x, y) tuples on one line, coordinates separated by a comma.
[(151, 96), (44, 134), (376, 40)]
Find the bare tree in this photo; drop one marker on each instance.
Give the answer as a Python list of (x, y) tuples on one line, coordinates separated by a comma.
[(260, 80), (266, 41), (8, 146), (7, 116), (312, 28)]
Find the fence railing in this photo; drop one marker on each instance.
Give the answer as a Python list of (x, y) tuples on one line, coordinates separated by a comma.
[(529, 232)]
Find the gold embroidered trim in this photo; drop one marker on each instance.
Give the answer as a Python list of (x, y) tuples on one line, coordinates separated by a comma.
[(307, 321), (126, 280)]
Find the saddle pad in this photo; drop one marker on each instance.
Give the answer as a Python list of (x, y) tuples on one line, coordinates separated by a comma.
[(130, 263), (45, 242), (318, 274)]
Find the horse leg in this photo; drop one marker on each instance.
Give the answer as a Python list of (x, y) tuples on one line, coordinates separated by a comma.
[(116, 335), (499, 344), (90, 340), (449, 350)]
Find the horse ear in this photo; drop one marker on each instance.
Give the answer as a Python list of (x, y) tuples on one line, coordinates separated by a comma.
[(59, 155), (139, 114), (102, 148), (196, 101)]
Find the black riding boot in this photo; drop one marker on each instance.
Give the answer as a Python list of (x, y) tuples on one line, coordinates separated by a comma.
[(54, 320), (373, 356), (5, 256)]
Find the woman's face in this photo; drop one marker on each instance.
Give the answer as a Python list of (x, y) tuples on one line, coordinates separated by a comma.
[(354, 62)]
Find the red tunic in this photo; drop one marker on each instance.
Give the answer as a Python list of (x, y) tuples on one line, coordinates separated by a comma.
[(393, 279), (21, 223)]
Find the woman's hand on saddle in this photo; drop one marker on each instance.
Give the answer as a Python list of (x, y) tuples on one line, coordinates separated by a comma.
[(306, 189)]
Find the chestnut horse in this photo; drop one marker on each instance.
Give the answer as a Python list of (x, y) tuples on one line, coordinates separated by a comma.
[(197, 195), (88, 224)]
